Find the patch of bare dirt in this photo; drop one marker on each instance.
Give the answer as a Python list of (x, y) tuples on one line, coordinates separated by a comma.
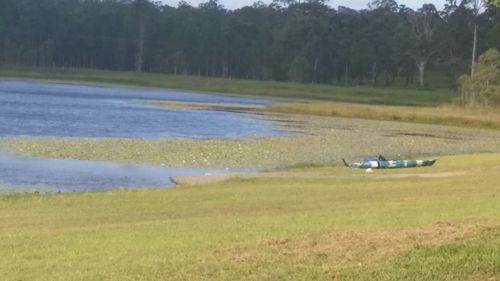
[(198, 180), (424, 175)]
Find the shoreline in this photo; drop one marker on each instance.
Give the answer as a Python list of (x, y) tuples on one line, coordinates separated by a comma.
[(277, 90), (324, 140), (76, 82)]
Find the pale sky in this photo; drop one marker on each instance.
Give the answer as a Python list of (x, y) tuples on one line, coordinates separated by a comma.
[(354, 4)]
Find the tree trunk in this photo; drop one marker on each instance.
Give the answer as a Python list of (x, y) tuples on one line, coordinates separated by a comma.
[(346, 77), (140, 49), (374, 75), (407, 75), (421, 72), (412, 74), (225, 70), (315, 77), (474, 50)]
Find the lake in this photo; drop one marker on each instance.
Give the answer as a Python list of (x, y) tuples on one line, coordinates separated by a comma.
[(61, 110), (37, 109)]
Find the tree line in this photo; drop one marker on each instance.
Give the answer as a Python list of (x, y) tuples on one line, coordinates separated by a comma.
[(287, 40)]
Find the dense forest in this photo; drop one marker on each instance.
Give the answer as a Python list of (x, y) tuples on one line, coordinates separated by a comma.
[(302, 41)]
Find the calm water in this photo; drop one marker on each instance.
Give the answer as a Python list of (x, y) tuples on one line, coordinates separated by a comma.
[(59, 110), (32, 109), (28, 174)]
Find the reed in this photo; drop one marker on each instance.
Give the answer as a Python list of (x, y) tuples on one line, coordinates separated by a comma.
[(444, 115)]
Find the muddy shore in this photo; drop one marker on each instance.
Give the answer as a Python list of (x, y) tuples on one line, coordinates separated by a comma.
[(320, 140)]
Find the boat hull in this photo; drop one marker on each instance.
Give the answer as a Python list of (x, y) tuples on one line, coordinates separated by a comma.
[(392, 164)]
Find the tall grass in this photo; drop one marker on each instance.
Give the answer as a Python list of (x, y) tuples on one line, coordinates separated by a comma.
[(444, 115)]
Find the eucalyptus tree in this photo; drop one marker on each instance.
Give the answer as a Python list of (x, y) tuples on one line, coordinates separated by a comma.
[(142, 13), (386, 39), (347, 21), (491, 24), (304, 40), (457, 37), (283, 4), (423, 28), (213, 44), (390, 5), (250, 31), (476, 7), (182, 48)]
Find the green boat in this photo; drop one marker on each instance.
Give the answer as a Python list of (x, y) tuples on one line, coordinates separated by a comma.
[(378, 163)]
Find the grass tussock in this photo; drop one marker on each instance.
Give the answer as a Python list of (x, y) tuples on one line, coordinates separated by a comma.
[(303, 224), (444, 115)]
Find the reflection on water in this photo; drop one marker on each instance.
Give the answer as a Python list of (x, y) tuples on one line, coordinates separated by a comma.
[(74, 175)]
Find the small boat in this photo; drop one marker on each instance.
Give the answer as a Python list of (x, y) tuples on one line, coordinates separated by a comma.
[(377, 163)]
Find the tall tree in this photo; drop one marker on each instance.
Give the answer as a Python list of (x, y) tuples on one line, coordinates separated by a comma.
[(477, 7), (423, 29), (141, 10)]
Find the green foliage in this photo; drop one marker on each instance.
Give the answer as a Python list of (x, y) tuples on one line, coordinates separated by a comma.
[(299, 68), (341, 46), (483, 86), (494, 2)]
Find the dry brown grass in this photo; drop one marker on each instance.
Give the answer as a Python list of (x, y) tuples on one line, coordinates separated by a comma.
[(484, 278), (445, 115), (338, 251)]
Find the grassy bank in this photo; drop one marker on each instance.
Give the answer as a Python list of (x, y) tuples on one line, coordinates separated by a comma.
[(443, 115), (434, 223), (399, 96)]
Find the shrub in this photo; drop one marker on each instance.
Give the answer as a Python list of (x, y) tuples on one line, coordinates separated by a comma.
[(483, 87)]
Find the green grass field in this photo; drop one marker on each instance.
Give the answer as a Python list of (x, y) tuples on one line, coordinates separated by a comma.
[(268, 89), (438, 223)]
